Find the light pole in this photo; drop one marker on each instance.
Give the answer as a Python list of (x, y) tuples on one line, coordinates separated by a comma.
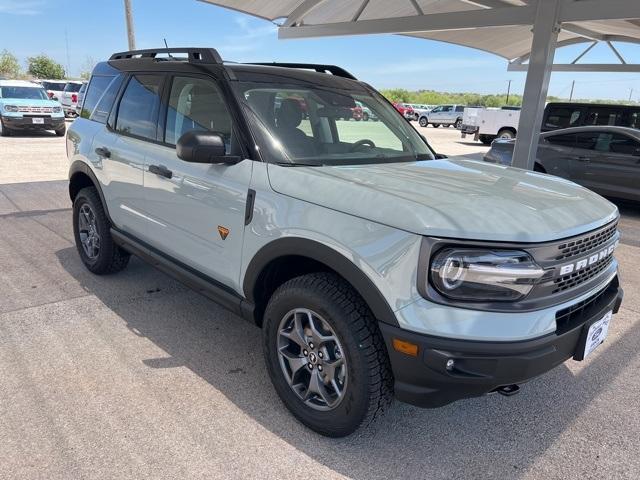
[(131, 35)]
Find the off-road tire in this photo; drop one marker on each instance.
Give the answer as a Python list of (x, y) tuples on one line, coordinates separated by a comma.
[(370, 381), (111, 258)]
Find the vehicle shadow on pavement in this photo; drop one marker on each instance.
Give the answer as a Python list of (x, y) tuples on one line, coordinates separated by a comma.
[(486, 437)]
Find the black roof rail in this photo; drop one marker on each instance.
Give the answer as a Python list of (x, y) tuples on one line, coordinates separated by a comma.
[(208, 55), (332, 69)]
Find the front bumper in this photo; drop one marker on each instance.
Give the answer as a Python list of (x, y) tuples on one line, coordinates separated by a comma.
[(26, 123), (482, 367)]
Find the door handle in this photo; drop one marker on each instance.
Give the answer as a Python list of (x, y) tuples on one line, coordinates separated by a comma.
[(103, 152), (582, 158), (161, 170)]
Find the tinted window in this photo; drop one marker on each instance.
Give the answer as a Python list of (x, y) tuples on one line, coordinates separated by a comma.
[(603, 116), (606, 142), (624, 145), (196, 104), (632, 119), (96, 88), (562, 140), (105, 103), (139, 106), (72, 87), (54, 85), (588, 141), (562, 117), (459, 109)]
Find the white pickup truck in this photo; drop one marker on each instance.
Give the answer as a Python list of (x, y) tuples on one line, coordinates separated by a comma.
[(487, 124)]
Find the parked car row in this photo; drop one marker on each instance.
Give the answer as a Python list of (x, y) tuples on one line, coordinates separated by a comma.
[(605, 159), (65, 91)]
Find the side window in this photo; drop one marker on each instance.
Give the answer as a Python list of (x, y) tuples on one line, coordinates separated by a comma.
[(196, 104), (105, 103), (139, 106), (602, 116), (632, 119), (589, 141), (447, 108), (562, 140), (562, 117), (95, 90), (624, 145), (460, 109)]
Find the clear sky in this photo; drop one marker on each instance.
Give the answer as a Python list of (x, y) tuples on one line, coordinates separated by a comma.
[(96, 28)]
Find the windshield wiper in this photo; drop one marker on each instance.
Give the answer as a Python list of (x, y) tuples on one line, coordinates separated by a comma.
[(298, 164)]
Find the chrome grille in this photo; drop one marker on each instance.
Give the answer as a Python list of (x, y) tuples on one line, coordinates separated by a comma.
[(35, 109), (584, 244)]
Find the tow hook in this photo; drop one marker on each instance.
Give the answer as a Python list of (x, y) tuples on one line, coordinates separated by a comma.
[(508, 390)]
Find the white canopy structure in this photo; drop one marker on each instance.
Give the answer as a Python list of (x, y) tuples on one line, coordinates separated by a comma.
[(524, 32)]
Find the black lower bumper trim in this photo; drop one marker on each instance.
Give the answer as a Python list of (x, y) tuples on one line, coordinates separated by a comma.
[(482, 367), (26, 123)]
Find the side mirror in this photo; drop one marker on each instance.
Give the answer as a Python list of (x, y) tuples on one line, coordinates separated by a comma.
[(440, 156), (204, 147)]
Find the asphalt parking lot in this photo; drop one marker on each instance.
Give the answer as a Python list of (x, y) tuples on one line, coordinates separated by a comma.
[(135, 376)]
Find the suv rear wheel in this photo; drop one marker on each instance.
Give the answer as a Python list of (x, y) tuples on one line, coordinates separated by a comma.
[(458, 123), (325, 355), (91, 230), (423, 122)]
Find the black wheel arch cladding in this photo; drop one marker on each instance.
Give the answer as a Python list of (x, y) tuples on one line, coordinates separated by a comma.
[(322, 254)]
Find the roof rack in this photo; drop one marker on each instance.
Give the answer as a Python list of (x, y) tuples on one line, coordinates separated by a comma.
[(207, 55), (332, 69)]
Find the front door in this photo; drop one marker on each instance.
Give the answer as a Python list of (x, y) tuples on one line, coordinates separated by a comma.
[(197, 211)]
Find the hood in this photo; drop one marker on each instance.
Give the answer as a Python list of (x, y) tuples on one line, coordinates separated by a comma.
[(454, 198)]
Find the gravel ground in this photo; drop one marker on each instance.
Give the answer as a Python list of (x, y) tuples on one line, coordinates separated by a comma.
[(135, 376)]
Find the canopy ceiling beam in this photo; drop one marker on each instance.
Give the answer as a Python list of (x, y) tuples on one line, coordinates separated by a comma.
[(584, 67), (301, 10), (495, 17), (583, 32), (587, 10)]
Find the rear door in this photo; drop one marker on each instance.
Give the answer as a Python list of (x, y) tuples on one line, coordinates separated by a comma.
[(122, 146), (611, 166)]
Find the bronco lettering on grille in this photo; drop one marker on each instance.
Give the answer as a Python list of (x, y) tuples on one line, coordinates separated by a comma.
[(585, 262)]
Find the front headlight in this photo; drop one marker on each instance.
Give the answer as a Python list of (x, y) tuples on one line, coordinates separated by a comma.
[(484, 275), (10, 108), (57, 109)]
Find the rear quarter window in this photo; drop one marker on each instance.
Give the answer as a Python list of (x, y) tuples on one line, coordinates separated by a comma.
[(99, 97)]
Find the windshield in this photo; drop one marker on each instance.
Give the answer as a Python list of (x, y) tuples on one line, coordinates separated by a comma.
[(72, 87), (29, 93), (57, 86), (318, 125)]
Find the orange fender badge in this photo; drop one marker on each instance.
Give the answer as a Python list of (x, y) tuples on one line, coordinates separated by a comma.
[(223, 231)]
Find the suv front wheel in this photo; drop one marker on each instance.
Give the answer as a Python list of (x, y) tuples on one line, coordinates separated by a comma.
[(325, 354), (92, 233)]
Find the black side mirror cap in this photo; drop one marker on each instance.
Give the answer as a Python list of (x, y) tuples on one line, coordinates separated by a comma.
[(440, 156), (204, 147)]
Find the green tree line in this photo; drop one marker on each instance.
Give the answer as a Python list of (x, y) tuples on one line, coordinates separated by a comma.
[(431, 97), (38, 66)]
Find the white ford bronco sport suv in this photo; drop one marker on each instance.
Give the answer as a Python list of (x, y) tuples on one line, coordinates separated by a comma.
[(374, 266)]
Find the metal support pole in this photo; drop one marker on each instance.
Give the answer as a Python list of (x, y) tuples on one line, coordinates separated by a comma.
[(545, 36), (131, 35)]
